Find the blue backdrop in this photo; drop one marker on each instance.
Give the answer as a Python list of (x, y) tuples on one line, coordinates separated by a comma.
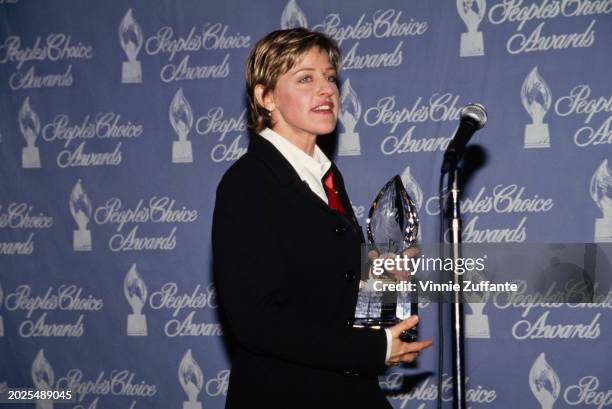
[(118, 118)]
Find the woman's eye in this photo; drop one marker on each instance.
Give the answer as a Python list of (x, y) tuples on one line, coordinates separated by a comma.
[(332, 78), (305, 79)]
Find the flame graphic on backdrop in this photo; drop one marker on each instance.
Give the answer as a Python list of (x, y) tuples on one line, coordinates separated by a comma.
[(350, 108), (349, 115), (536, 99), (191, 379), (181, 115), (535, 95), (544, 382), (135, 290), (293, 16), (29, 123), (471, 16), (80, 206), (130, 36), (42, 373), (131, 39)]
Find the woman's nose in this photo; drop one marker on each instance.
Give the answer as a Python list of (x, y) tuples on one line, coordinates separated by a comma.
[(326, 87)]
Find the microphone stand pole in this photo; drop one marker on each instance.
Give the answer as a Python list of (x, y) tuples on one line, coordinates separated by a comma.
[(457, 297)]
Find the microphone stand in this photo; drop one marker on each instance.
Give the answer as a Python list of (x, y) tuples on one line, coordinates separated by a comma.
[(458, 360)]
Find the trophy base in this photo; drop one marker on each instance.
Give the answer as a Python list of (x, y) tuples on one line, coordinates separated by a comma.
[(348, 144), (131, 72), (30, 158), (181, 152), (192, 405), (477, 326), (137, 325), (472, 45), (81, 240), (603, 230), (374, 322), (536, 136), (1, 327), (44, 404)]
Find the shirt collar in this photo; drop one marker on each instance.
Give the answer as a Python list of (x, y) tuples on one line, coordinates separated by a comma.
[(317, 165)]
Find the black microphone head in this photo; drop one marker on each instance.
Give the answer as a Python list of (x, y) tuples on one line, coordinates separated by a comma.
[(474, 113)]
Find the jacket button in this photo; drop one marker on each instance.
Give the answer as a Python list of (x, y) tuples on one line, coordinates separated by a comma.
[(349, 322), (349, 275), (340, 229)]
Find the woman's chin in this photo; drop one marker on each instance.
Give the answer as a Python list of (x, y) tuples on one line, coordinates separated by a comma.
[(326, 129)]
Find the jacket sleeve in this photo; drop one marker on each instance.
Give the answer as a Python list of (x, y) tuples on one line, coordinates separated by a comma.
[(257, 299)]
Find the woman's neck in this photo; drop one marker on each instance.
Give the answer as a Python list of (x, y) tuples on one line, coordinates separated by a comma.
[(306, 142)]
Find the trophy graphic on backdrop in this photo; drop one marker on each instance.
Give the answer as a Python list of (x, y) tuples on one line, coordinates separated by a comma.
[(130, 38), (601, 193), (392, 227), (43, 378), (544, 382), (472, 44), (181, 118), (1, 321), (80, 208), (135, 292), (192, 379), (476, 323), (536, 97), (350, 112), (29, 124), (293, 16)]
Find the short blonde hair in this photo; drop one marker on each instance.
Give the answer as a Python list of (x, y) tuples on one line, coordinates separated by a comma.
[(274, 55)]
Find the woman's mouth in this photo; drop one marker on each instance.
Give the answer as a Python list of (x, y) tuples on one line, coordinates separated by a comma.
[(327, 108)]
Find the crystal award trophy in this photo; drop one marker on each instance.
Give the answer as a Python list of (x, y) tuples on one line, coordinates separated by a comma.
[(392, 228)]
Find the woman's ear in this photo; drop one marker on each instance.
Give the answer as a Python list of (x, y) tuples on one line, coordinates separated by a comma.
[(264, 100)]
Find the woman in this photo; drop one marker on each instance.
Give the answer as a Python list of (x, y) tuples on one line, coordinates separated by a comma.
[(286, 245)]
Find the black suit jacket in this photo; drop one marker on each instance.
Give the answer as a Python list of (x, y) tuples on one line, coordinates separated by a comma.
[(287, 272)]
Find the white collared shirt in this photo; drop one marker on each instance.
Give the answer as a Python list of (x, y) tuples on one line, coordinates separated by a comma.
[(310, 169)]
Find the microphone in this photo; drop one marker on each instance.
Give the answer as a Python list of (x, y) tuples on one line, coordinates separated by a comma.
[(473, 118)]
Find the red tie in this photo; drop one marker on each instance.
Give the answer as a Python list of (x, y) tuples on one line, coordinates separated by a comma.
[(332, 194)]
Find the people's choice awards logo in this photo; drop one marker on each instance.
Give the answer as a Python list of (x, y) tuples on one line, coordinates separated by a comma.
[(130, 38), (350, 112), (216, 124), (181, 119), (191, 379), (29, 124), (601, 193), (135, 292), (536, 98), (170, 297), (80, 208), (43, 378), (544, 382), (50, 50), (472, 13), (293, 16), (580, 102)]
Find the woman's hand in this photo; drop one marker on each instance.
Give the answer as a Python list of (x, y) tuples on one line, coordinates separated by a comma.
[(405, 351)]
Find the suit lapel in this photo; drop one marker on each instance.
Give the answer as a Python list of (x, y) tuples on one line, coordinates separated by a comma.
[(287, 176)]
